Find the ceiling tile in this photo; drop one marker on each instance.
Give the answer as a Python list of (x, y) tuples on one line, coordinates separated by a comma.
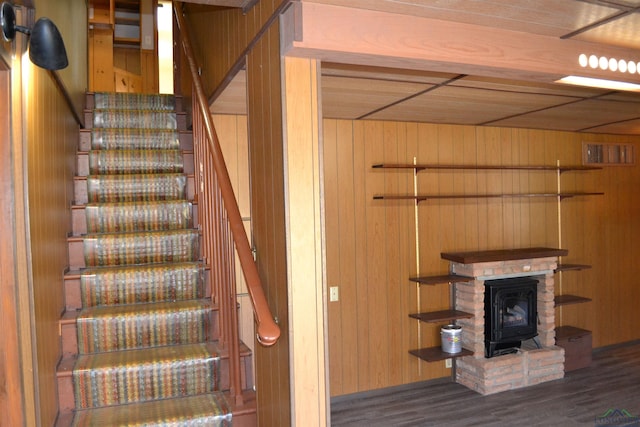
[(350, 98), (620, 32), (466, 106), (582, 115)]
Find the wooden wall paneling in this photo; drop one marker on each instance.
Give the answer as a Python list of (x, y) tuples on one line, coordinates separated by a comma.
[(495, 209), (538, 182), (483, 188), (550, 150), (509, 185), (624, 237), (431, 242), (230, 31), (521, 157), (393, 143), (52, 134), (334, 243), (377, 232), (268, 232), (520, 178), (232, 134), (410, 289), (361, 171), (469, 157), (12, 409), (350, 252), (592, 229), (458, 181), (101, 60)]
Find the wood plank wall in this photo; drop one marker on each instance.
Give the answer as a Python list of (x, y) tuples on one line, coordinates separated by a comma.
[(70, 16), (372, 245), (232, 132), (220, 37), (52, 137), (268, 221)]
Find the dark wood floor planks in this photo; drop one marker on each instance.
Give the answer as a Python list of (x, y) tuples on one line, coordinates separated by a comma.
[(611, 382)]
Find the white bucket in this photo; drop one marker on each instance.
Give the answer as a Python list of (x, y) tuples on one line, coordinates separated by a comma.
[(451, 339)]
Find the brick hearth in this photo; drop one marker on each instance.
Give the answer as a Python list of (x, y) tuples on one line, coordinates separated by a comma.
[(530, 365)]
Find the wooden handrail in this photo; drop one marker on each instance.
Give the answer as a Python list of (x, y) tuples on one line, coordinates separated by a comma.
[(267, 331)]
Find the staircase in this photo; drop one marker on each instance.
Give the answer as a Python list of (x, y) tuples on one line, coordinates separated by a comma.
[(140, 335)]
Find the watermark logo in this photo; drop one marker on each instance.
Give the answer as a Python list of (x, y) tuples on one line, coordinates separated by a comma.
[(618, 418)]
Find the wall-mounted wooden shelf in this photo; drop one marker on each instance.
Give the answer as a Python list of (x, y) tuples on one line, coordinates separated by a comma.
[(445, 278), (572, 267), (441, 316), (435, 354), (423, 197), (569, 299), (420, 167)]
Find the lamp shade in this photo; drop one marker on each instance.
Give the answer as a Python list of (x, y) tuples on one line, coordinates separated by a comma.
[(7, 21), (46, 48)]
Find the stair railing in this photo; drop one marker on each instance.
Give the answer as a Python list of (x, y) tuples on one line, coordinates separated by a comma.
[(222, 227)]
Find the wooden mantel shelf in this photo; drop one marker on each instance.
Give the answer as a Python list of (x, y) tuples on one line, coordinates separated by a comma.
[(420, 167), (502, 255)]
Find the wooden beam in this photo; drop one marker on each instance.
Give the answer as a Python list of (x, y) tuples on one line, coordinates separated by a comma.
[(305, 261), (367, 37)]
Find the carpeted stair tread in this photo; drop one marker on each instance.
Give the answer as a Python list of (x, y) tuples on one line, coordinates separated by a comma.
[(138, 216), (136, 187), (133, 101), (210, 410), (141, 247), (129, 326), (141, 119), (142, 375), (136, 138), (141, 284), (135, 161)]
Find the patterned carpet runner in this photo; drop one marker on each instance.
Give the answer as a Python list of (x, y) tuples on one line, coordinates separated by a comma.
[(144, 332), (142, 284), (132, 326), (143, 216), (141, 247), (134, 119), (141, 139), (135, 161), (136, 376), (133, 101), (128, 188), (203, 410)]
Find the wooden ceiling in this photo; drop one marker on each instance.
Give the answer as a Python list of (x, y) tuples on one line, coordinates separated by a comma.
[(364, 92)]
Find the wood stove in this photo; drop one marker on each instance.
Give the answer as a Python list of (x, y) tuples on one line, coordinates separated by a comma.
[(510, 314)]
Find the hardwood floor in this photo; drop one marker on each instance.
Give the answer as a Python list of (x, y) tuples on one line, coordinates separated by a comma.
[(611, 382)]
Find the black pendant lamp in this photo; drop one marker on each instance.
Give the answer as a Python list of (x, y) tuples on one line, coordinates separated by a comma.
[(46, 48)]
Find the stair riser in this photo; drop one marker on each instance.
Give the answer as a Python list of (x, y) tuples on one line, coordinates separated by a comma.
[(77, 259), (73, 294), (66, 391), (90, 101), (81, 194), (83, 163), (79, 221), (185, 140), (181, 120), (142, 384), (69, 334)]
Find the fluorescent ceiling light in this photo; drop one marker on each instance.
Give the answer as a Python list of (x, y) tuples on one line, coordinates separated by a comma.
[(599, 83)]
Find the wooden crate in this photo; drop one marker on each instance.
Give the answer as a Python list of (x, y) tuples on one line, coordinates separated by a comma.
[(577, 346)]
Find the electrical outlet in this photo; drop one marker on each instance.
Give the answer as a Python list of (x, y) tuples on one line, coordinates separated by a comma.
[(334, 294), (447, 363)]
